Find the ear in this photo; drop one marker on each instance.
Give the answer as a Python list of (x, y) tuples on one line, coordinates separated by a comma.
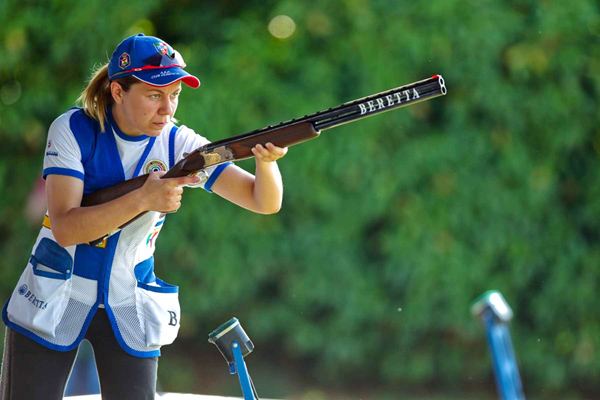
[(116, 90)]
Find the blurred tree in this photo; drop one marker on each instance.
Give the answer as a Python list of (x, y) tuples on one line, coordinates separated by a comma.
[(494, 186)]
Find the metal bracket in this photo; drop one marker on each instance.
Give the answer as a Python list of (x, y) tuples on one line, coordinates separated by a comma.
[(219, 155)]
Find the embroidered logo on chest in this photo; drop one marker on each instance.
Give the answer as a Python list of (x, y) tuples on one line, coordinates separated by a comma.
[(155, 166)]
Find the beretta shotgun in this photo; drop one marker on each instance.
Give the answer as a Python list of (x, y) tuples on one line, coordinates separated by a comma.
[(284, 134)]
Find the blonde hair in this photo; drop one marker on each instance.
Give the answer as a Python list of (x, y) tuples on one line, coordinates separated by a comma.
[(97, 97)]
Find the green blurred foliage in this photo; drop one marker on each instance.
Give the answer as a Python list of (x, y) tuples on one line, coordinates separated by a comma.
[(390, 226)]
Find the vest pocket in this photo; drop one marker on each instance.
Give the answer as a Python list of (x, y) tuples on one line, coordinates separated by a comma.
[(42, 293), (158, 310)]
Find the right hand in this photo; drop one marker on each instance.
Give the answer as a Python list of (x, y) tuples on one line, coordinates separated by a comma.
[(164, 195)]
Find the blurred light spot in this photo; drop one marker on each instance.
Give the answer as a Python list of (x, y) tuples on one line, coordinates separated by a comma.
[(15, 40), (318, 24), (282, 27), (10, 92), (142, 26)]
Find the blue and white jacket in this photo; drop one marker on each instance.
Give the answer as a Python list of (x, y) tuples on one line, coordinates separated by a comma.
[(61, 288)]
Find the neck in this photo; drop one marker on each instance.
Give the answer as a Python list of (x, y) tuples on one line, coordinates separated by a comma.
[(120, 122)]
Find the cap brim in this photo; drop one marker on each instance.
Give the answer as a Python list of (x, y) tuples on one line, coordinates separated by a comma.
[(166, 76)]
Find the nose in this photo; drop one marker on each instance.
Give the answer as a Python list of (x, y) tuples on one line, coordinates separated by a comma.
[(168, 106)]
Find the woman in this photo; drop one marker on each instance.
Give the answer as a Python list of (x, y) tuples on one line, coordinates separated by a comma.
[(107, 293)]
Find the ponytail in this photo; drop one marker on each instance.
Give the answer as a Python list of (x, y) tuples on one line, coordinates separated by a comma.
[(97, 97)]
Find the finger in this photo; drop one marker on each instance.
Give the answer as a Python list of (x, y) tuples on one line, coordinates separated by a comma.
[(257, 153), (275, 150), (259, 149), (270, 146), (184, 180), (174, 201), (264, 153), (176, 191), (175, 208)]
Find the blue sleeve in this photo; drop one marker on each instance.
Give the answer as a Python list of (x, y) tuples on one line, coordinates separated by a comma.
[(213, 177)]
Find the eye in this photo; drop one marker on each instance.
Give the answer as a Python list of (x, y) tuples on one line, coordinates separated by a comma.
[(175, 95), (155, 96)]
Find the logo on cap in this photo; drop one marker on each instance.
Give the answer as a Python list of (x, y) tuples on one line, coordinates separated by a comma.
[(124, 61), (162, 48)]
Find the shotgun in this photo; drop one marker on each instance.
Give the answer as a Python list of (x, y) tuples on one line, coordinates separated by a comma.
[(284, 134)]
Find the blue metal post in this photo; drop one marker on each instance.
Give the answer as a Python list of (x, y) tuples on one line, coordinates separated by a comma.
[(503, 357), (242, 372), (495, 313)]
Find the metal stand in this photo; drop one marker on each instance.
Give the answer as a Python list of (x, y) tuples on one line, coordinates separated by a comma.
[(234, 344), (495, 314)]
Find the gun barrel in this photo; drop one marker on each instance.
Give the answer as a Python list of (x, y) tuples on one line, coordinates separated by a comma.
[(381, 102), (357, 109)]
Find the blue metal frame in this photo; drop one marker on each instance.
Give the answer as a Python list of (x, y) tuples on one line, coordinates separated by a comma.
[(242, 372)]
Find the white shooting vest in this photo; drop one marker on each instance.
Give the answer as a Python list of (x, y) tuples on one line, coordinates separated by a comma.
[(61, 288)]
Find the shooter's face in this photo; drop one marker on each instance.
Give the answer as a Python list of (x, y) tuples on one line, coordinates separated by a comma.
[(145, 109)]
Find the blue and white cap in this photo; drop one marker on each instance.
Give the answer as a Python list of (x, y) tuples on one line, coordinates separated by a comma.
[(151, 60)]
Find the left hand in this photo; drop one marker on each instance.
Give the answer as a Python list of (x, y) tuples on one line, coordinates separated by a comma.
[(269, 152)]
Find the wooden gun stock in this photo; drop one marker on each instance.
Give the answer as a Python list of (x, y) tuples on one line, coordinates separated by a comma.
[(240, 148), (112, 192), (197, 160), (284, 134)]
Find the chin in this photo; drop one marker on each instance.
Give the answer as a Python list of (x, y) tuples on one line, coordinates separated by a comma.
[(153, 132)]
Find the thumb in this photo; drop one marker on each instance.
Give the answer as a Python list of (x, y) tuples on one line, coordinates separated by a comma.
[(157, 174)]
